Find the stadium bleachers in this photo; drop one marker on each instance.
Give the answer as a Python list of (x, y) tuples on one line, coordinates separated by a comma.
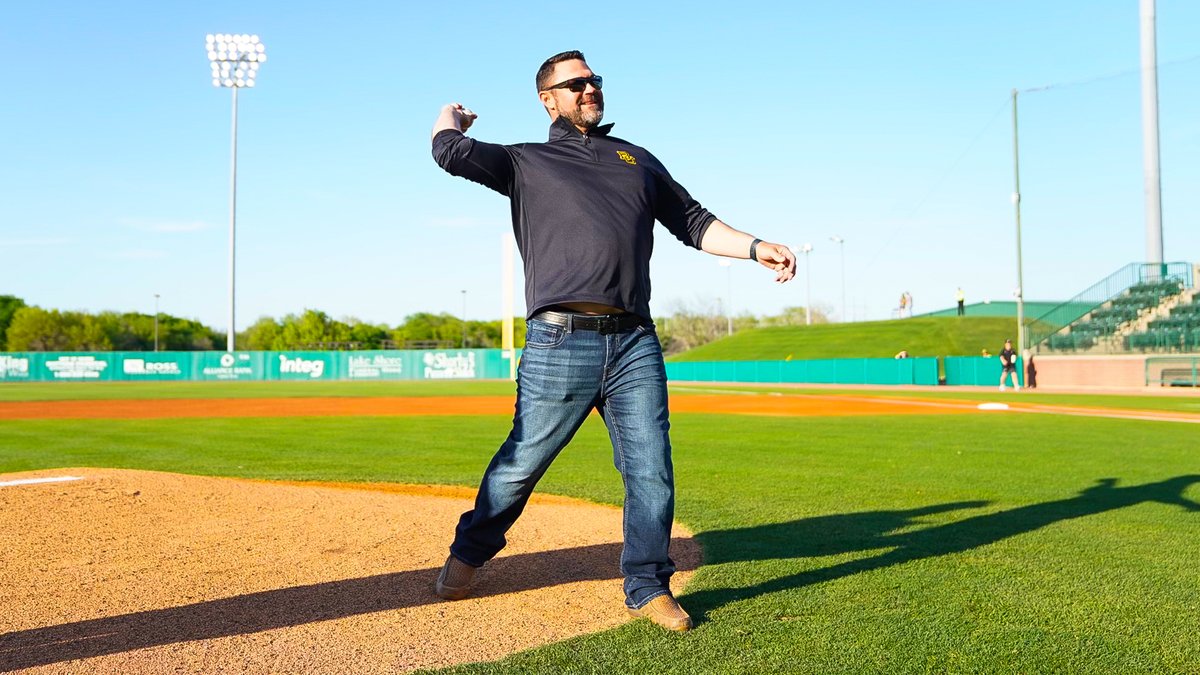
[(1179, 331), (1135, 320)]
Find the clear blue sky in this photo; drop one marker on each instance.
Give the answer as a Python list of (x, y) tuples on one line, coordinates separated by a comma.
[(884, 122)]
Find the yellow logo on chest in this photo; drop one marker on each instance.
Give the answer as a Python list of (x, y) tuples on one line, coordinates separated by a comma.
[(629, 159)]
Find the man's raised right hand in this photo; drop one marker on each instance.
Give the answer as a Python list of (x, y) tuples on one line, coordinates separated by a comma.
[(454, 116)]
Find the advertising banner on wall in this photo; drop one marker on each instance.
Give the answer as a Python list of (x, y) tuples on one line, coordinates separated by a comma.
[(14, 367), (301, 366), (78, 366), (375, 366), (136, 366), (228, 366), (448, 365)]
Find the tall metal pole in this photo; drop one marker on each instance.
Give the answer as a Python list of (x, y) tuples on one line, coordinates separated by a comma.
[(229, 341), (807, 287), (806, 249), (729, 290), (507, 243), (1016, 198), (842, 247), (837, 239), (464, 320), (156, 322), (234, 60), (1150, 161)]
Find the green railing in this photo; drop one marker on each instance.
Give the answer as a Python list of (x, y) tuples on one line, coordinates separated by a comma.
[(1132, 286), (1173, 371)]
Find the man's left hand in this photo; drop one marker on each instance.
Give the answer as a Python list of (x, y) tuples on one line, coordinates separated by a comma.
[(777, 257)]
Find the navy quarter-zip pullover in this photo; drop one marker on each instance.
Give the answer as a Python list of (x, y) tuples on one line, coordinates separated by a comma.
[(583, 211)]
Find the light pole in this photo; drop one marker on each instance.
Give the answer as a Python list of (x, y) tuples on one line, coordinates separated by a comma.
[(728, 265), (807, 249), (1150, 162), (842, 247), (1016, 200), (235, 60), (464, 319), (156, 322)]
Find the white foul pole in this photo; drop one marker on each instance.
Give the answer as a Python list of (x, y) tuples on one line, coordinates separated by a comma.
[(506, 303), (1150, 161)]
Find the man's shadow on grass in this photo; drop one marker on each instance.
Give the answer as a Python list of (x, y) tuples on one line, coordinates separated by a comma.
[(809, 537), (892, 530)]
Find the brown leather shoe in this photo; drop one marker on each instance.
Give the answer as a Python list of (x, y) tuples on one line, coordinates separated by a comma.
[(664, 611), (454, 582)]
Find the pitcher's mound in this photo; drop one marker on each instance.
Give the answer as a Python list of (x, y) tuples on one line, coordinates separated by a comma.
[(145, 572)]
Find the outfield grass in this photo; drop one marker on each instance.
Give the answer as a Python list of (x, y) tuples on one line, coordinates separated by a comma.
[(901, 544), (921, 336)]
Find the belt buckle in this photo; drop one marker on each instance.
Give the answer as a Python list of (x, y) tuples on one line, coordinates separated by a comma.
[(607, 324)]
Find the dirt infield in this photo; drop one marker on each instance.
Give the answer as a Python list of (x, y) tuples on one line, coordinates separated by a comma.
[(146, 572)]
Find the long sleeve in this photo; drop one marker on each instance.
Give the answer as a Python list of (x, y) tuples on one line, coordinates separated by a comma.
[(488, 164)]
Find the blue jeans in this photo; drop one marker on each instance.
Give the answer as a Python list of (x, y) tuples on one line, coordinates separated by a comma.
[(562, 377)]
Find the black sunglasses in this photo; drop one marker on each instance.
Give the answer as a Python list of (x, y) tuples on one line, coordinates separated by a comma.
[(578, 84)]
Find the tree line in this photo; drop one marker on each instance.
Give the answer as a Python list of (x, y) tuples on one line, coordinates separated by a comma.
[(25, 328)]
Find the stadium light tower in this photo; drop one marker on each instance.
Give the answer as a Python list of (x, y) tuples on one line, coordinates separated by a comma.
[(728, 265), (1016, 200), (842, 247), (1150, 161), (156, 322), (806, 249), (464, 319), (235, 60)]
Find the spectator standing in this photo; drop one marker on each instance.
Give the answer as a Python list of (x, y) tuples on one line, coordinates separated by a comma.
[(960, 298)]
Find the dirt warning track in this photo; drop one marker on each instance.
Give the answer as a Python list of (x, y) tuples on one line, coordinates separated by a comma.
[(788, 405), (740, 403)]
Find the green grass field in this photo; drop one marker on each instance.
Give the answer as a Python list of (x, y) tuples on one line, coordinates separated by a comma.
[(890, 544), (921, 336)]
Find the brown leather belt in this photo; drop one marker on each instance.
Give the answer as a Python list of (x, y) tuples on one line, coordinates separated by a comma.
[(604, 324)]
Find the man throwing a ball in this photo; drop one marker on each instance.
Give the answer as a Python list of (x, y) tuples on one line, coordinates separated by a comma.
[(583, 209)]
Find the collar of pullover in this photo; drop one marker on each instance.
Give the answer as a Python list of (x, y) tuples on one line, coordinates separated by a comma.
[(561, 128)]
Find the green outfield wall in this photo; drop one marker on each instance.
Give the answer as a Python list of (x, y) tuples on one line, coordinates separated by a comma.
[(979, 370), (457, 364), (819, 371), (257, 366)]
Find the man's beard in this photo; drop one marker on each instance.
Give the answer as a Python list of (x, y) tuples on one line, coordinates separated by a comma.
[(587, 117)]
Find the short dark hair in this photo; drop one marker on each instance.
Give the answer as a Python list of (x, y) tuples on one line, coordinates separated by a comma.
[(543, 73)]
